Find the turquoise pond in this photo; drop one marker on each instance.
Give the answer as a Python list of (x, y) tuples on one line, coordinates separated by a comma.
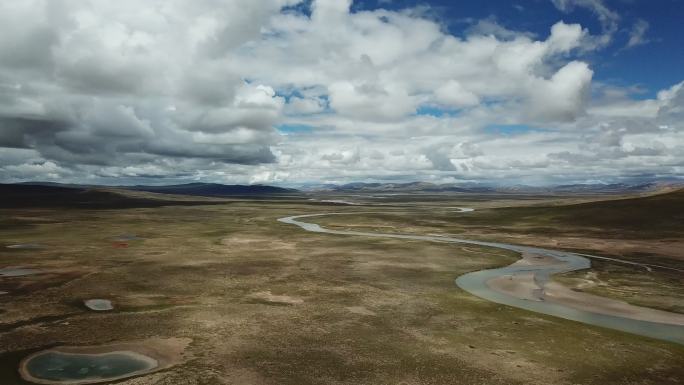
[(60, 367)]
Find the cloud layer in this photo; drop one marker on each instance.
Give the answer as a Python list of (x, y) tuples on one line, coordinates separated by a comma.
[(205, 90)]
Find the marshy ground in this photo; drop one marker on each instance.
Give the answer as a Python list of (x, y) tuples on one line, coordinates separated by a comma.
[(263, 302)]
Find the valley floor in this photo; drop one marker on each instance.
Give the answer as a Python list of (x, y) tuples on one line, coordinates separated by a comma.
[(262, 302)]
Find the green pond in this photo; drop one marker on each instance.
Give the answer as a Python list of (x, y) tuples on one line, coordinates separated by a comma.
[(60, 367)]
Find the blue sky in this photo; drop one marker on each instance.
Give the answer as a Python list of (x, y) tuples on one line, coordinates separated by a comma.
[(654, 66), (297, 92)]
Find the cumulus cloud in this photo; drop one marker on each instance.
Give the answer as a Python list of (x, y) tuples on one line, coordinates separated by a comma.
[(116, 84), (93, 90), (627, 137), (609, 19), (453, 94), (564, 95)]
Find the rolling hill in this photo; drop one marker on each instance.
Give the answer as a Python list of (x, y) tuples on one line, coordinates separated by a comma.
[(213, 189), (654, 216), (41, 196)]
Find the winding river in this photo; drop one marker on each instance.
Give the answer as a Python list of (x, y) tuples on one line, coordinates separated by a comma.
[(476, 283)]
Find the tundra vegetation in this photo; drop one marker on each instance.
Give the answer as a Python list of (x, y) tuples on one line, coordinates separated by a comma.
[(256, 301)]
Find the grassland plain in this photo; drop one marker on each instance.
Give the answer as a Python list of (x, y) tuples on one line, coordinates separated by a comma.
[(266, 303), (641, 229)]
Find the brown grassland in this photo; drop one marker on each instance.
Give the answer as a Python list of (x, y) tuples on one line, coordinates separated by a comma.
[(266, 303)]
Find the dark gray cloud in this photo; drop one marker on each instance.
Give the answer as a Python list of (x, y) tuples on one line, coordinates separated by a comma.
[(97, 83)]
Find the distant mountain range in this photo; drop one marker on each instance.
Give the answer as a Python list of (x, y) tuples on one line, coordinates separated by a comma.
[(48, 194), (214, 189), (193, 189), (221, 190), (426, 187), (55, 195)]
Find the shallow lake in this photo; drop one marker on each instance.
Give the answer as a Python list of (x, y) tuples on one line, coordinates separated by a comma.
[(61, 367)]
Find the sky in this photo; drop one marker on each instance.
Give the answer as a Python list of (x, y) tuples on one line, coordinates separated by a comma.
[(301, 93)]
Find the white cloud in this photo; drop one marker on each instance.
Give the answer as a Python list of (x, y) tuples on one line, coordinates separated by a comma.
[(565, 37), (193, 90), (304, 106), (491, 27), (371, 101), (608, 18), (637, 36), (564, 95), (452, 94)]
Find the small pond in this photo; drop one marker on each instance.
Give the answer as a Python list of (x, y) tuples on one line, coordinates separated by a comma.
[(98, 304), (16, 272), (26, 246), (56, 367)]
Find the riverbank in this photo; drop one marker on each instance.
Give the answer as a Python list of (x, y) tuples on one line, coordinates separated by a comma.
[(528, 291), (523, 285)]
